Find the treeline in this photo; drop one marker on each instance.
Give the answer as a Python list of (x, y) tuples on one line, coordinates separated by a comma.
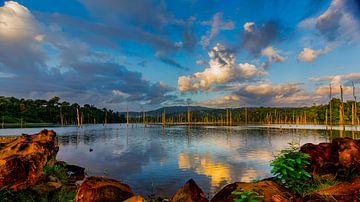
[(13, 110), (302, 115)]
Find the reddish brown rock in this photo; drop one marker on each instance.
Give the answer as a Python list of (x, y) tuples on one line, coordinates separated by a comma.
[(22, 160), (344, 191), (348, 151), (342, 153), (269, 190), (97, 189), (135, 199), (190, 192)]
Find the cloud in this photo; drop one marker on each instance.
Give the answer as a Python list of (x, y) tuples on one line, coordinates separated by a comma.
[(340, 20), (71, 70), (249, 26), (344, 80), (217, 24), (338, 25), (309, 55), (165, 59), (19, 39), (264, 94), (257, 38), (272, 55), (222, 69)]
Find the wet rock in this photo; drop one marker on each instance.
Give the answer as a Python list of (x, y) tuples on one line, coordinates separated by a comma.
[(190, 192), (22, 160), (267, 190), (342, 153), (344, 191), (76, 173), (99, 189)]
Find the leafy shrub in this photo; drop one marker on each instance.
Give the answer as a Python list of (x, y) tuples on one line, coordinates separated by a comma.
[(247, 196), (289, 169)]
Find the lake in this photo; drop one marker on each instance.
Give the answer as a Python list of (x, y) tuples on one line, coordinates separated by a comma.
[(156, 160)]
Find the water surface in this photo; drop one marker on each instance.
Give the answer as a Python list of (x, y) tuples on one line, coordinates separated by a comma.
[(156, 160)]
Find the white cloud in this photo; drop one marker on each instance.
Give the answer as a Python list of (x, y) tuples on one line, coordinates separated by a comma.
[(17, 23), (309, 55), (222, 69), (249, 26)]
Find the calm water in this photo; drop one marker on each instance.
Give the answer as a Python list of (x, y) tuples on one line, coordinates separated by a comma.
[(153, 160)]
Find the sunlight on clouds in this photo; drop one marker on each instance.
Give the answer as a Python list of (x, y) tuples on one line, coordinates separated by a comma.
[(222, 69), (17, 23)]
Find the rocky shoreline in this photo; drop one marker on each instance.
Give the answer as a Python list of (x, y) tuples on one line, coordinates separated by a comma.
[(29, 170)]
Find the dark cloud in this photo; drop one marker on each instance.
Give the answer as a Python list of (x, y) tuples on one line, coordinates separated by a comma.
[(341, 21), (257, 38), (167, 60)]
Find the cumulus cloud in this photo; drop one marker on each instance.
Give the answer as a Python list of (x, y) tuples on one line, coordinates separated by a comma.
[(222, 69), (19, 39), (217, 24), (257, 38)]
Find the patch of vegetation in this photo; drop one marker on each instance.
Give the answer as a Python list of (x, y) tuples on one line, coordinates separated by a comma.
[(247, 196), (7, 195), (321, 182), (58, 171), (289, 169)]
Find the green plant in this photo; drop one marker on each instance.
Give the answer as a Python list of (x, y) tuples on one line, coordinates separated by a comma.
[(247, 196), (59, 171), (289, 169)]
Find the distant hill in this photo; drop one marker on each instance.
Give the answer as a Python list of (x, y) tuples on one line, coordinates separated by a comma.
[(170, 110)]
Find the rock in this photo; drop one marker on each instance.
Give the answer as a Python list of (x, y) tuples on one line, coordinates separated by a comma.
[(344, 191), (348, 151), (99, 189), (190, 192), (22, 160), (323, 160), (135, 199), (76, 173), (329, 158), (267, 189)]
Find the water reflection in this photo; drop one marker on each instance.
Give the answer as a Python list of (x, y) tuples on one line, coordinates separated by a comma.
[(161, 160)]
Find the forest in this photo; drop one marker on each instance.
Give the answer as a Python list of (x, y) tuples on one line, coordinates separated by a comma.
[(53, 111)]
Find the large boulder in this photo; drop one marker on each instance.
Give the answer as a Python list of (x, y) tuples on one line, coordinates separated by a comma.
[(22, 160), (344, 191), (97, 189), (342, 153), (266, 189), (190, 192)]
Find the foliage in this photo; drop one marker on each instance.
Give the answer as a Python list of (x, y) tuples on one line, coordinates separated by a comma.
[(7, 195), (59, 171), (247, 196), (13, 110), (289, 169)]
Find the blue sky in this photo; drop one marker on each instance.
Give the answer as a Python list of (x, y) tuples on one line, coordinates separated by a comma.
[(152, 53)]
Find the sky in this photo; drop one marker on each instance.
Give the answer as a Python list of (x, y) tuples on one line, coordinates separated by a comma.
[(145, 54)]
